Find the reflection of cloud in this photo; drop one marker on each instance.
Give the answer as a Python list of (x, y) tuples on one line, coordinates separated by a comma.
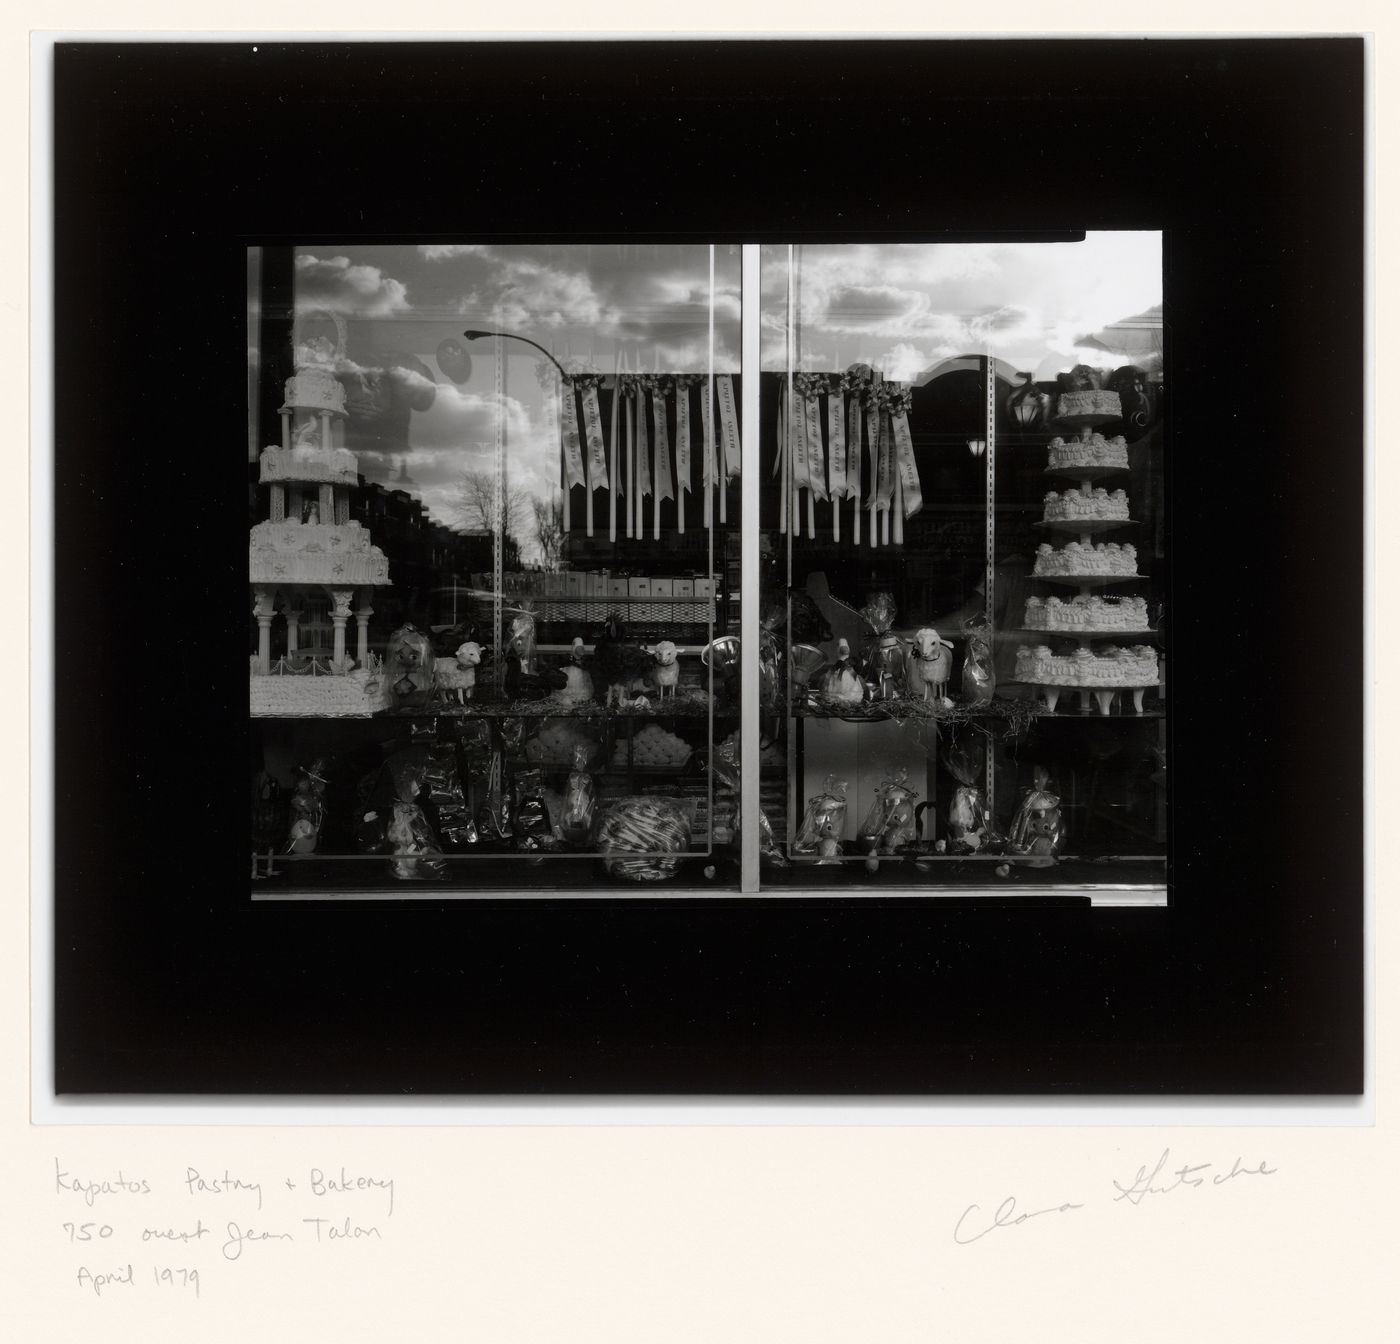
[(447, 251), (342, 286), (1030, 304)]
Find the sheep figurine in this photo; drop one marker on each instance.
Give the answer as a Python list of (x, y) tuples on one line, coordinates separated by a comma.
[(459, 677), (667, 672), (929, 665)]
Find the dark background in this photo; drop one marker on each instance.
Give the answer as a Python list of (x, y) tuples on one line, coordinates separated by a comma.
[(171, 159)]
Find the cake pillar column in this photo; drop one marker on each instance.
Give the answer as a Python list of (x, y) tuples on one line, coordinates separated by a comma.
[(286, 428), (326, 430), (292, 615), (278, 512), (327, 504), (362, 614), (264, 610), (340, 614)]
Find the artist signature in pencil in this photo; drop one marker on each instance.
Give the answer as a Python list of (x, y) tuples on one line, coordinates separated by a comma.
[(1161, 1179)]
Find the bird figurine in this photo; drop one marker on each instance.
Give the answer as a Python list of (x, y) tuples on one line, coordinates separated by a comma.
[(579, 689), (616, 662)]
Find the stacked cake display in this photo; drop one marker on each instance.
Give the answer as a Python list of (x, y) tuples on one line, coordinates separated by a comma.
[(1092, 506), (1092, 451), (308, 549), (1121, 615), (1084, 509)]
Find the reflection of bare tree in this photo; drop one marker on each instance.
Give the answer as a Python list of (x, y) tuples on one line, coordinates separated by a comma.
[(478, 503), (549, 530)]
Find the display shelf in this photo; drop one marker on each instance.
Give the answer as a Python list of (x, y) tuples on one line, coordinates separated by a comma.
[(1100, 694), (1082, 422), (1083, 632), (1084, 526), (1085, 473), (1088, 580)]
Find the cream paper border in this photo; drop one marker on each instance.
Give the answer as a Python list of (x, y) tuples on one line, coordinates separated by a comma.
[(523, 1228)]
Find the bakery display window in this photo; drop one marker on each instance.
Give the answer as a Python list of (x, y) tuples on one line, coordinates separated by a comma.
[(964, 568), (494, 562)]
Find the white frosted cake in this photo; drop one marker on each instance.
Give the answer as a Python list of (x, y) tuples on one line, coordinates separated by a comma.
[(357, 694), (1086, 615), (331, 466), (1092, 402), (315, 388), (1095, 451), (1078, 559), (1110, 667), (330, 554), (1087, 506)]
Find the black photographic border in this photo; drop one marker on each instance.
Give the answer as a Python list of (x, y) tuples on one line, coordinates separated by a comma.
[(170, 159)]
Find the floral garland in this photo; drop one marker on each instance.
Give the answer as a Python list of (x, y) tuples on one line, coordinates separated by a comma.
[(585, 381), (857, 381), (630, 384), (810, 386), (896, 398), (684, 380), (658, 384)]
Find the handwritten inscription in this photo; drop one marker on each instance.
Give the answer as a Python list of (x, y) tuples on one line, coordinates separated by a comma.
[(128, 1216), (1163, 1178)]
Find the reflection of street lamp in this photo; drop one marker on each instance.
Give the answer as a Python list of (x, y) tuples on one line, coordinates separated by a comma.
[(511, 336), (977, 447)]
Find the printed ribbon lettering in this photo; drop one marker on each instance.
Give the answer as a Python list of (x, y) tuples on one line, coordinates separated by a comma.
[(597, 450), (683, 435), (664, 487), (728, 424), (836, 424), (573, 447)]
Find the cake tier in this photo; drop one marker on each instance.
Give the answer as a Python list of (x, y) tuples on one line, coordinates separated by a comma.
[(1078, 558), (1136, 666), (322, 466), (1093, 402), (336, 555), (1077, 506), (1095, 451), (315, 389), (1086, 615), (354, 696)]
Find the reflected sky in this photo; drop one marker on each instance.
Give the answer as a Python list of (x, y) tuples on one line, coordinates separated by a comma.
[(900, 307)]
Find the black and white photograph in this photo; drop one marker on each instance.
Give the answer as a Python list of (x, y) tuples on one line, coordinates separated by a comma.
[(664, 581), (487, 632)]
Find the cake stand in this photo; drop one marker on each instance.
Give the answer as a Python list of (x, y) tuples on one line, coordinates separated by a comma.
[(1086, 424), (1085, 583)]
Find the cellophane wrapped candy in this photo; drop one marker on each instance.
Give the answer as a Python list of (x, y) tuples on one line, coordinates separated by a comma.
[(580, 801), (726, 769), (968, 828), (889, 825), (533, 830), (823, 821), (411, 840), (446, 799), (884, 654), (1037, 829), (637, 836), (979, 679)]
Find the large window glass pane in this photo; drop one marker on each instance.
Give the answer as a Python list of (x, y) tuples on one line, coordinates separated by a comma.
[(964, 566), (493, 553)]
